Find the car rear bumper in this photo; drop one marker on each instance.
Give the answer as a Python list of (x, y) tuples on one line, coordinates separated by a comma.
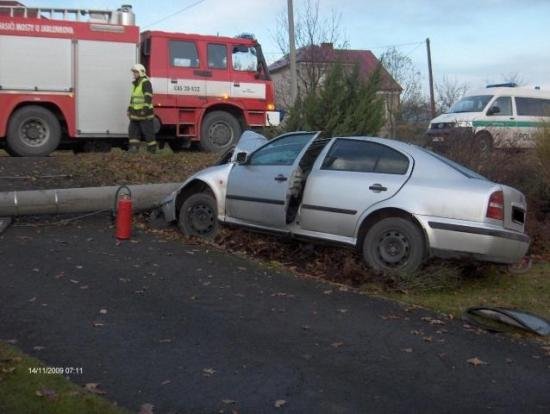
[(483, 241)]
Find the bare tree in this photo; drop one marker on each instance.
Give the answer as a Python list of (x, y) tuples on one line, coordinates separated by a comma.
[(513, 77), (312, 31), (403, 70), (448, 92)]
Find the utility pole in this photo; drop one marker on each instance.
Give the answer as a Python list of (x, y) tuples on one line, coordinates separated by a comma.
[(432, 98), (292, 46)]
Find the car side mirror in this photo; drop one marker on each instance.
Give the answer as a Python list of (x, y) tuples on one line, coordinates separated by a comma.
[(242, 158), (493, 110)]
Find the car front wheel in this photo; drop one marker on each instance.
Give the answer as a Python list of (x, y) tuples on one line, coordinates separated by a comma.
[(198, 216), (394, 245)]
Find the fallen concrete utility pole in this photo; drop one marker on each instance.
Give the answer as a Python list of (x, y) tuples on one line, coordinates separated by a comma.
[(80, 200)]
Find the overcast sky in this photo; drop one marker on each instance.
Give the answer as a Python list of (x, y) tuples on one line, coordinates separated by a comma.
[(473, 41)]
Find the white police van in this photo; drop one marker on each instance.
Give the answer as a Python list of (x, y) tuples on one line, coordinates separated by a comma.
[(502, 115)]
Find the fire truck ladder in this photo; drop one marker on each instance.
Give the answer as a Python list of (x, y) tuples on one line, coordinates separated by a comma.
[(104, 16)]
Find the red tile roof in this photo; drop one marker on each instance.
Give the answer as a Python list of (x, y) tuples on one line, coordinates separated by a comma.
[(327, 54)]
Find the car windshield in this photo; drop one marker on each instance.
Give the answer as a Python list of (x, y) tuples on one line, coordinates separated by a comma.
[(455, 166), (471, 104)]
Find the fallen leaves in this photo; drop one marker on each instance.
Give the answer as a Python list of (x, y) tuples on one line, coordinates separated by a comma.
[(336, 344), (207, 372), (46, 393), (407, 350), (146, 409), (476, 362), (279, 403), (93, 387)]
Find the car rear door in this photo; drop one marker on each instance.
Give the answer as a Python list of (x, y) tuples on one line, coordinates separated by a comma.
[(257, 192), (353, 175)]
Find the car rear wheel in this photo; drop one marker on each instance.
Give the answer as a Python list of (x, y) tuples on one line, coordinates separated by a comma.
[(394, 245), (198, 216), (220, 131)]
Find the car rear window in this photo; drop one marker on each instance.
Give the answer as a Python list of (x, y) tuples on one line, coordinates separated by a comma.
[(455, 166)]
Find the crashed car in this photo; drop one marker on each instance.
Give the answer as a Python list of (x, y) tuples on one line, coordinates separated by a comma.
[(396, 203)]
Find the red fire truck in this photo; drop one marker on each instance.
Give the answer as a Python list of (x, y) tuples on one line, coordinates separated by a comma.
[(65, 78)]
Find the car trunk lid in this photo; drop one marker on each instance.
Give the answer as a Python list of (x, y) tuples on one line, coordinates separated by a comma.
[(515, 209)]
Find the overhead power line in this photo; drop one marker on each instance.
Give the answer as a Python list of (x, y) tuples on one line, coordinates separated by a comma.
[(175, 13)]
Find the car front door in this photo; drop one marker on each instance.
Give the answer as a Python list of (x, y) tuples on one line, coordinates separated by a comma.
[(501, 121), (352, 176), (257, 190)]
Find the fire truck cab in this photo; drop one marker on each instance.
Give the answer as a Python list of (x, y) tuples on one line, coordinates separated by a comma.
[(65, 79)]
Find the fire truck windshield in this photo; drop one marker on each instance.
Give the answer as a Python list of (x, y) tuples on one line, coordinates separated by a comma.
[(245, 58)]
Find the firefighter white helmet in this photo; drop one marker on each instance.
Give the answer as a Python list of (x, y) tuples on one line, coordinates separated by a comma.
[(139, 68)]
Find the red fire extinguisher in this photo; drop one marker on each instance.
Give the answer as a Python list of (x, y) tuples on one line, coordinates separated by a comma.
[(123, 208)]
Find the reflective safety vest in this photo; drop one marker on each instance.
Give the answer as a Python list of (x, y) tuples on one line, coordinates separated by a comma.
[(141, 102)]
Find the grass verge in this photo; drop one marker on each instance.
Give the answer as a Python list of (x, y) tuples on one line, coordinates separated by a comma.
[(494, 287), (24, 392)]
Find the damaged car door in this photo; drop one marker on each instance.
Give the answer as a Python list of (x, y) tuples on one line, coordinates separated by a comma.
[(353, 176), (257, 188)]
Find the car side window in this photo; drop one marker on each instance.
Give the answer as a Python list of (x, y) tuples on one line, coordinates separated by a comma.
[(533, 106), (283, 151), (183, 54), (363, 156), (504, 104)]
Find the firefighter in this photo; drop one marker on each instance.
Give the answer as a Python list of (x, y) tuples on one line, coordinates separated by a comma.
[(140, 112)]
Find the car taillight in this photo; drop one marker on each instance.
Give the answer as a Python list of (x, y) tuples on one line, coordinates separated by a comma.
[(495, 209)]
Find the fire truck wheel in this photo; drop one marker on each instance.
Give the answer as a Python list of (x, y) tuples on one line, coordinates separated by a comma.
[(33, 131), (198, 216), (220, 130)]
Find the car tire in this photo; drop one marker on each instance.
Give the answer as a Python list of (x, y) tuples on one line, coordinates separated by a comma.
[(198, 216), (483, 142), (33, 131), (220, 131), (394, 244)]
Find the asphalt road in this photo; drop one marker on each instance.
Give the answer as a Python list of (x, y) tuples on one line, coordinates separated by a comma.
[(196, 331)]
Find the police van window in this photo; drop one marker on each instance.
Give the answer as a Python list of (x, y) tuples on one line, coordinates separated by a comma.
[(504, 105), (361, 156), (244, 58), (217, 56), (183, 54), (533, 106), (471, 104)]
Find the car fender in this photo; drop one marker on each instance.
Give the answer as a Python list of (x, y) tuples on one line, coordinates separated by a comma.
[(214, 178), (386, 205)]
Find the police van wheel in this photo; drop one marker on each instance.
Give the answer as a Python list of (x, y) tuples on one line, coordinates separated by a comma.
[(33, 131), (220, 131), (484, 142)]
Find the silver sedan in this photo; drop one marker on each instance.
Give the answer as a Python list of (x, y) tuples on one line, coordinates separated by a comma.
[(397, 203)]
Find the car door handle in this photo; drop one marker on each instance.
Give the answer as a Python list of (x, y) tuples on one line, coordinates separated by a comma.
[(281, 178), (237, 84), (377, 188), (173, 81)]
